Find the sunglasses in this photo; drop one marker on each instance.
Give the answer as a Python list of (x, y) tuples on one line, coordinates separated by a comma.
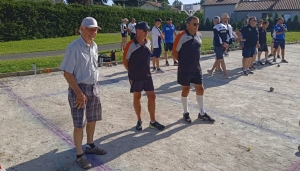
[(196, 24)]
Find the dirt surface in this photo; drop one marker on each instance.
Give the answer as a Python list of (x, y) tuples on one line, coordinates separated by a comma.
[(36, 126)]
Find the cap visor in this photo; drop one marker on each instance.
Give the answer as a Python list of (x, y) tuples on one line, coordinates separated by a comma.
[(93, 26)]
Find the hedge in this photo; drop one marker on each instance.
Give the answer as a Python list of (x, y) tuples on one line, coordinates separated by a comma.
[(31, 20)]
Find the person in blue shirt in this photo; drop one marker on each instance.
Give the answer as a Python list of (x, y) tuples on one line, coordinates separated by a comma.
[(168, 31), (279, 35)]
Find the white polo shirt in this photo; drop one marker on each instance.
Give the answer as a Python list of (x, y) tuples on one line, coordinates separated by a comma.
[(131, 27), (156, 40)]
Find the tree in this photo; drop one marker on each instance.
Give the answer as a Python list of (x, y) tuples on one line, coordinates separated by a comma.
[(132, 3), (295, 23), (82, 2), (177, 4), (100, 2)]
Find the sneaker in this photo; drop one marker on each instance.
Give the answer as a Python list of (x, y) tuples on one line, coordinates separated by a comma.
[(156, 125), (186, 117), (159, 70), (252, 67), (95, 150), (154, 69), (278, 56), (209, 72), (274, 60), (175, 63), (206, 117), (167, 63), (226, 54), (83, 162), (138, 126), (218, 71), (250, 72), (270, 55), (284, 61), (245, 73), (261, 63), (268, 63)]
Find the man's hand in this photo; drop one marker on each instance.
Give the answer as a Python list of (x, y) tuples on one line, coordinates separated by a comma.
[(225, 45), (80, 101), (258, 45), (162, 36)]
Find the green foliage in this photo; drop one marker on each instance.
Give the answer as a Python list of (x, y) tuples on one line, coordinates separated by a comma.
[(31, 20), (240, 24)]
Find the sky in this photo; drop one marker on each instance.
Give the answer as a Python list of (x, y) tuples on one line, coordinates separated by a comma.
[(170, 1)]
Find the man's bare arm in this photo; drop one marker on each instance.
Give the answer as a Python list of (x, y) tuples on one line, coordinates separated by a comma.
[(125, 63), (175, 54), (72, 83)]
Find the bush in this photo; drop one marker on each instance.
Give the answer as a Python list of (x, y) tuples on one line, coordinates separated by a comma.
[(29, 20)]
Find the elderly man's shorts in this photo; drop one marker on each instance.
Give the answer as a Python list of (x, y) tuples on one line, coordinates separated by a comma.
[(185, 79), (143, 85), (219, 52), (248, 52), (92, 110)]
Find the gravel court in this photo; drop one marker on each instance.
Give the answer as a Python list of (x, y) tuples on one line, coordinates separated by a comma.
[(246, 113)]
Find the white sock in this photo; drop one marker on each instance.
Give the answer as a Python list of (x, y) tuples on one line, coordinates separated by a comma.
[(200, 101), (184, 102)]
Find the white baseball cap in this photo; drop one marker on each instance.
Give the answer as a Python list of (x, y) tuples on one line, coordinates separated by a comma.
[(89, 22)]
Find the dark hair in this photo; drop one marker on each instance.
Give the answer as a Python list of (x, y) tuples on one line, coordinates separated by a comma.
[(188, 20), (265, 22), (252, 17), (280, 18)]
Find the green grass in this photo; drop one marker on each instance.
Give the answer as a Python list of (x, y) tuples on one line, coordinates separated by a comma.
[(7, 66), (52, 44)]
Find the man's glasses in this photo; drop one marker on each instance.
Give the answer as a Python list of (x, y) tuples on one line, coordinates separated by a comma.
[(196, 24)]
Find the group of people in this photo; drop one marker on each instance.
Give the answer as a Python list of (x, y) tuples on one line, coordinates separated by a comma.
[(253, 38), (80, 69), (159, 37)]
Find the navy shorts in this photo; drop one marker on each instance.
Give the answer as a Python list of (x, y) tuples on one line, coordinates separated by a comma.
[(263, 48), (168, 47), (124, 34), (185, 79), (143, 85), (157, 52), (248, 52), (219, 52), (279, 42)]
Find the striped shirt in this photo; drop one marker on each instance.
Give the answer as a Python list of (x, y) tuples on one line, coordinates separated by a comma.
[(138, 57), (188, 47)]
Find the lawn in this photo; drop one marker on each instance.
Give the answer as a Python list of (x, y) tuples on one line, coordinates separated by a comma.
[(7, 66), (52, 44)]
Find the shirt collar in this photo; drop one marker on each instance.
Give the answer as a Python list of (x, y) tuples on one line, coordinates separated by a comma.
[(83, 43), (136, 42), (188, 33)]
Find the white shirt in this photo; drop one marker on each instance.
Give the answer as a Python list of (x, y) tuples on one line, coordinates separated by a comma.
[(123, 26), (131, 27), (229, 28), (156, 40)]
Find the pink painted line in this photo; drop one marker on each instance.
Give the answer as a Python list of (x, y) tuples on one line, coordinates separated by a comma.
[(97, 164)]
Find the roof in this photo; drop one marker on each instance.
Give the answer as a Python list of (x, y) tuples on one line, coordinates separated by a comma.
[(158, 5), (268, 5), (220, 2), (287, 5), (255, 6)]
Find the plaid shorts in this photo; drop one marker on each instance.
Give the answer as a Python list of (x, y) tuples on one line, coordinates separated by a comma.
[(92, 109)]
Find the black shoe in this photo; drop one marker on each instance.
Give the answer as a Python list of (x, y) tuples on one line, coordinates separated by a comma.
[(252, 67), (206, 117), (245, 73), (156, 125), (284, 61), (154, 69), (138, 126), (274, 60), (175, 63), (167, 63), (278, 56), (250, 72), (270, 55), (186, 117), (268, 62), (261, 63)]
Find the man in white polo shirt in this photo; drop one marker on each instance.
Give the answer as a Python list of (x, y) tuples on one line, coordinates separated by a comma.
[(131, 28), (80, 67), (157, 38)]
